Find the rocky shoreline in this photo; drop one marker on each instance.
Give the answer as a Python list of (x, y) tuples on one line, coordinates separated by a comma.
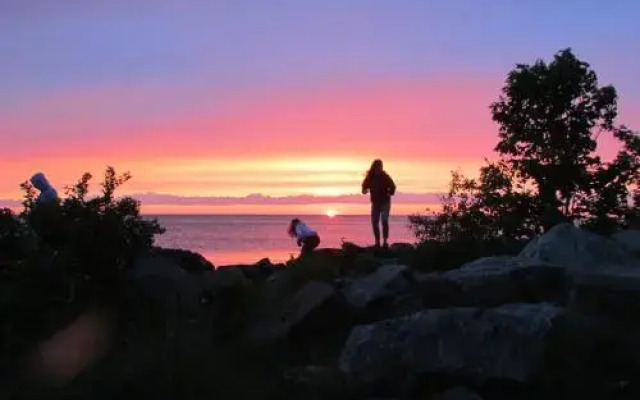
[(559, 319)]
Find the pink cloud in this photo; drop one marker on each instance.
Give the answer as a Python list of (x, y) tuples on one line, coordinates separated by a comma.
[(8, 203), (418, 118)]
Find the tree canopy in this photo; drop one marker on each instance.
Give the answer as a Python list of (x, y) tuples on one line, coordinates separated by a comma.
[(550, 117)]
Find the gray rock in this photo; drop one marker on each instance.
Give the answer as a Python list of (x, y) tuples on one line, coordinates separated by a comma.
[(577, 249), (611, 298), (498, 263), (362, 264), (276, 324), (226, 278), (506, 342), (492, 281), (630, 239), (611, 294), (388, 280), (164, 282), (164, 301), (457, 393), (188, 260)]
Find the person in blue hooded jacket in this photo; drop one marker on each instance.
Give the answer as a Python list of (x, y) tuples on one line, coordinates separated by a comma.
[(47, 193)]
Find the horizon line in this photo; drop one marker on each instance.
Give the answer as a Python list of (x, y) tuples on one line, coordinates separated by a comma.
[(260, 215)]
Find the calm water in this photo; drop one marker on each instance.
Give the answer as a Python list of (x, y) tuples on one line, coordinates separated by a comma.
[(231, 239)]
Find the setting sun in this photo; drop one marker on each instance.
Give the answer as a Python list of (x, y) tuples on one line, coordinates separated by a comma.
[(331, 213)]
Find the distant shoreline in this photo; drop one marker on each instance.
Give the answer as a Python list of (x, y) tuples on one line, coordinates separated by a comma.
[(266, 215)]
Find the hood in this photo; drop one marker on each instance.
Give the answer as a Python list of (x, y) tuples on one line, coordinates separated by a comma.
[(40, 182)]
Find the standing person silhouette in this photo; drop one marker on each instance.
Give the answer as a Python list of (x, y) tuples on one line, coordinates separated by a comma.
[(381, 187)]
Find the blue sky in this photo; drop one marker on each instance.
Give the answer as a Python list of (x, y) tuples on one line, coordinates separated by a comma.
[(54, 45)]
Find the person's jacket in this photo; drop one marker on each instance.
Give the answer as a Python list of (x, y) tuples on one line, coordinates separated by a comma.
[(380, 187), (47, 193)]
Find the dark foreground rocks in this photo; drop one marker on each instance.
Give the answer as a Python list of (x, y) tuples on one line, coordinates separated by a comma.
[(629, 239), (492, 281), (506, 343), (578, 250), (559, 320)]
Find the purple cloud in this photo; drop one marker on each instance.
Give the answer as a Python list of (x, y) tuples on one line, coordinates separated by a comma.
[(256, 198)]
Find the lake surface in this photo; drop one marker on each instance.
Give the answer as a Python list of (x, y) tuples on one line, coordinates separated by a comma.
[(234, 239)]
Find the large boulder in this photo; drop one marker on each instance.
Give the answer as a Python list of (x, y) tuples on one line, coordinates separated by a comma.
[(612, 293), (226, 296), (188, 260), (630, 239), (162, 297), (163, 281), (505, 343), (226, 278), (405, 253), (613, 297), (492, 281), (577, 249), (387, 281), (257, 272), (311, 308), (361, 264)]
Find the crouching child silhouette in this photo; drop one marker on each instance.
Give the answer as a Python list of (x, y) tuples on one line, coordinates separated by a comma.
[(307, 238)]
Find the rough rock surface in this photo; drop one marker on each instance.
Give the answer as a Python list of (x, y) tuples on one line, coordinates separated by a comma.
[(493, 281), (506, 342), (277, 323), (185, 259), (387, 280), (630, 239), (577, 249)]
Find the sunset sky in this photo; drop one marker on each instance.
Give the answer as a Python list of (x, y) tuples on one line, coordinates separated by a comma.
[(280, 106)]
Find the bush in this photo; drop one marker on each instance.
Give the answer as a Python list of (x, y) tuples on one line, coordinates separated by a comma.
[(60, 256), (95, 239), (17, 239)]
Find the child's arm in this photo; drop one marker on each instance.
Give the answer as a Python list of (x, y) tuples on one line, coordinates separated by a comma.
[(299, 235)]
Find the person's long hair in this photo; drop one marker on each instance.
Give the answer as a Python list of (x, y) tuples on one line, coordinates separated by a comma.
[(292, 227), (376, 167)]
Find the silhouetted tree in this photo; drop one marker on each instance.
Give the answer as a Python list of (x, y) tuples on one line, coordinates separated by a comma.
[(550, 117)]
